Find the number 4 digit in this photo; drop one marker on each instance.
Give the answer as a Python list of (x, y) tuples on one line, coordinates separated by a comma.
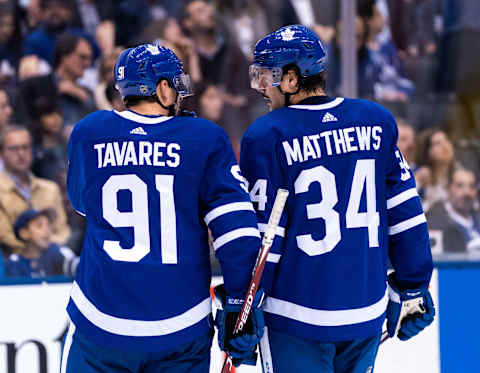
[(364, 177), (259, 193)]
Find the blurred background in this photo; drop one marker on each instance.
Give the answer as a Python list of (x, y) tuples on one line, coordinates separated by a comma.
[(419, 58)]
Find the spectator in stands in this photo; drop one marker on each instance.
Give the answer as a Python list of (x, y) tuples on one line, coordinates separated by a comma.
[(132, 16), (10, 44), (96, 18), (459, 61), (320, 15), (280, 13), (392, 84), (437, 155), (105, 78), (415, 36), (406, 144), (246, 21), (406, 141), (57, 18), (5, 115), (49, 145), (33, 14), (5, 109), (39, 257), (219, 57), (169, 33), (72, 56), (457, 218), (210, 103), (20, 190), (367, 73), (221, 60)]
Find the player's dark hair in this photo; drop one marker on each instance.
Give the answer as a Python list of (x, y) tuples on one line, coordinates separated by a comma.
[(111, 92), (66, 44), (311, 83), (130, 101)]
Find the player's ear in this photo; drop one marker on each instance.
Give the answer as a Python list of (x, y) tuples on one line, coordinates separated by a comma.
[(164, 93), (291, 80)]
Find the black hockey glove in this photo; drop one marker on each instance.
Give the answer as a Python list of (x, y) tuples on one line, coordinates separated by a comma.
[(241, 347)]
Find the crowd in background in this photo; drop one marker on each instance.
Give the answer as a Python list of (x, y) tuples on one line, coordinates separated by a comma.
[(419, 58)]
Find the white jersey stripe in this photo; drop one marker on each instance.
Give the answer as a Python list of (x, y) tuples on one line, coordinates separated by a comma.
[(139, 328), (67, 346), (225, 209), (273, 258), (325, 317), (280, 231), (401, 197), (328, 105), (233, 235), (130, 115), (407, 224)]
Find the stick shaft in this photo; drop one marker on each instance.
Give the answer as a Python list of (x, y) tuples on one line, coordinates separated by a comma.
[(267, 242)]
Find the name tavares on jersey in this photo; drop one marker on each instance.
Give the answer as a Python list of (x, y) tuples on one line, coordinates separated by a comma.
[(141, 153), (334, 142)]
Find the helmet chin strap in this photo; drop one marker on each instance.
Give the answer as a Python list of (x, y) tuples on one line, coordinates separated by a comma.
[(287, 95)]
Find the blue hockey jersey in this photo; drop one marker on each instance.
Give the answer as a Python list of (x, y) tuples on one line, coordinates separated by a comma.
[(352, 204), (149, 187)]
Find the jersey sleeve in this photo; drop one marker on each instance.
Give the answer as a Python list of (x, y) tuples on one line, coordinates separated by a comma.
[(230, 216), (76, 172), (409, 243), (261, 167)]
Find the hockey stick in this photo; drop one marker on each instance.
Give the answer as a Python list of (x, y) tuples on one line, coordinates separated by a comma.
[(267, 241), (409, 307)]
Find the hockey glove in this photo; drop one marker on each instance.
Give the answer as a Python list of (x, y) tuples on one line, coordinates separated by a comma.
[(242, 346), (408, 311)]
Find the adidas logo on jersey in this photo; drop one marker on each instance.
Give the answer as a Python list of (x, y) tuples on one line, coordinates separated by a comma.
[(329, 118), (138, 131)]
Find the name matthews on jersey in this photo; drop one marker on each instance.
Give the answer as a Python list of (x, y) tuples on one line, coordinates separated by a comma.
[(338, 141), (141, 153)]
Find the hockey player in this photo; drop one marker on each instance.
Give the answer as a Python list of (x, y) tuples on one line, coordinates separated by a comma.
[(353, 204), (149, 183)]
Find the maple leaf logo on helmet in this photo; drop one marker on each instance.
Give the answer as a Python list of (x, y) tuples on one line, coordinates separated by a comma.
[(288, 34), (153, 49)]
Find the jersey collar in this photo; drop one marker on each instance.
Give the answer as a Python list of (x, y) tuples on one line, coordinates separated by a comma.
[(318, 103), (139, 118)]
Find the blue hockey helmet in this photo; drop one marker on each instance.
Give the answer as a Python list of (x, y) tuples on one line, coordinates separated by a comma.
[(294, 44), (138, 71)]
